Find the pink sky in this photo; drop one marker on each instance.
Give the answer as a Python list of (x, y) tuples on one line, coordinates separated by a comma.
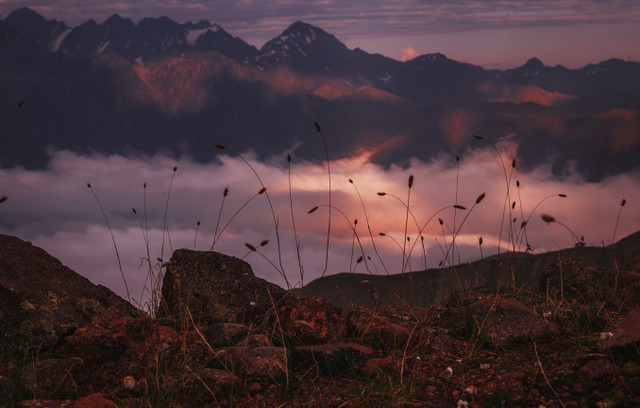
[(491, 33)]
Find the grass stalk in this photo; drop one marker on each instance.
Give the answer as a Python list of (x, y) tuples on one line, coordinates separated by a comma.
[(273, 213), (115, 246), (217, 237), (293, 223), (166, 211), (225, 193), (366, 218), (326, 152), (615, 229)]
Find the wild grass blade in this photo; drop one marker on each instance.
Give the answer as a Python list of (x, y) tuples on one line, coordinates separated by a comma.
[(115, 246)]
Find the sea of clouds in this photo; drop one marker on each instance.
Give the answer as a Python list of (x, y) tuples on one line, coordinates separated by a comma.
[(56, 210)]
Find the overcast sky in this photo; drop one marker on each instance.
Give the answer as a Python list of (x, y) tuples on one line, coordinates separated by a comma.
[(492, 33)]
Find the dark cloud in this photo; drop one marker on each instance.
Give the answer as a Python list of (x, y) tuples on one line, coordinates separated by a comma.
[(349, 18)]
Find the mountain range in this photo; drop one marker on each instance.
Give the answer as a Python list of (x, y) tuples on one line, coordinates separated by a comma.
[(160, 86)]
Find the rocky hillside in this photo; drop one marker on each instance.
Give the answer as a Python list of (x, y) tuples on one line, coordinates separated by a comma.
[(223, 337)]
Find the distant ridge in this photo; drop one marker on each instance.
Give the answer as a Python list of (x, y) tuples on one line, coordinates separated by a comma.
[(160, 86), (425, 287)]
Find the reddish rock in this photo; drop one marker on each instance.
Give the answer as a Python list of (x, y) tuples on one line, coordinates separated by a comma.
[(41, 300), (626, 335), (507, 388), (261, 363), (305, 321), (225, 334), (53, 377), (375, 330), (379, 365), (330, 358), (597, 370), (256, 340), (113, 347), (577, 278), (206, 385), (92, 401), (216, 288), (504, 320)]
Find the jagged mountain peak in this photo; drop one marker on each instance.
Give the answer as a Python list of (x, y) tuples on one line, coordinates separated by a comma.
[(533, 63), (305, 47), (34, 26)]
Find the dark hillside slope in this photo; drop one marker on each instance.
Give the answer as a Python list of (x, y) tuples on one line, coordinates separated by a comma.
[(425, 287)]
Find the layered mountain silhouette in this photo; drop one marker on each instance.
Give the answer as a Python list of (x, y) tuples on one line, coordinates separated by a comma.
[(160, 86)]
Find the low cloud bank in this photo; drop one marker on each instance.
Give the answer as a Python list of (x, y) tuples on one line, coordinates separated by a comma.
[(55, 210)]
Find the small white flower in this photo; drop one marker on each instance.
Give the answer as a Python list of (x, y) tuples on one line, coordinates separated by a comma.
[(606, 336), (252, 303), (129, 382), (485, 366), (546, 314), (471, 390), (462, 404)]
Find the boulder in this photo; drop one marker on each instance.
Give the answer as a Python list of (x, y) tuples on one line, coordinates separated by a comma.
[(215, 288), (53, 377), (304, 321), (502, 321), (113, 347), (42, 301), (375, 330), (260, 363), (625, 338), (330, 358)]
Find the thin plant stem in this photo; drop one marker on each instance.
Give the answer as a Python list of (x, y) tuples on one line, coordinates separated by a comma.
[(615, 229), (352, 227), (366, 218), (166, 210), (293, 222), (273, 213), (106, 220), (216, 238), (326, 152), (406, 224), (225, 193), (506, 179)]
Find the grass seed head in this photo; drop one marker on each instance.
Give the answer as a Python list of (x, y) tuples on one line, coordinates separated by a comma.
[(623, 202), (3, 199), (251, 247), (548, 218), (480, 198), (317, 127), (411, 181)]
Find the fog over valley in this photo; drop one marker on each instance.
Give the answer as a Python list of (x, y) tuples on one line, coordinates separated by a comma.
[(55, 210)]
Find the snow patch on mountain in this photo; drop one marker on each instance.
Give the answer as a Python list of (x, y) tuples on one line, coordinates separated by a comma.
[(193, 35), (55, 45)]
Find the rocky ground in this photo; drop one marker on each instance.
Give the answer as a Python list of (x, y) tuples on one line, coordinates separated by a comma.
[(224, 338)]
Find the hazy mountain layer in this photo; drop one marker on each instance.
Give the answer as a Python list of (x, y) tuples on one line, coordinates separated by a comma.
[(159, 86)]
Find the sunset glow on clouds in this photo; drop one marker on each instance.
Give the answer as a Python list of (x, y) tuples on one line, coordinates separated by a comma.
[(56, 210), (407, 54), (572, 33)]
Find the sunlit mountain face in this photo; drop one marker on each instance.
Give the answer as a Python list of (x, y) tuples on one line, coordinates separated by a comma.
[(119, 104)]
